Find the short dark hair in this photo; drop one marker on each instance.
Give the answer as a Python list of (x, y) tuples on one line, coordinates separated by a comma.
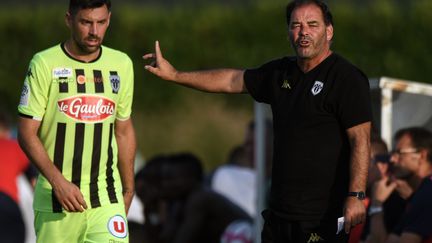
[(5, 119), (421, 138), (187, 165), (328, 17), (76, 5), (378, 144)]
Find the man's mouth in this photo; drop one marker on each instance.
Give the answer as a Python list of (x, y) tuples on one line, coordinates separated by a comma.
[(303, 43)]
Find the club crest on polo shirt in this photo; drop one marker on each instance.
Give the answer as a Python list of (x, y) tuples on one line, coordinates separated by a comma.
[(317, 87)]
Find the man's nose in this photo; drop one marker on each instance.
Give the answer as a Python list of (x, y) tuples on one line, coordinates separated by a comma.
[(393, 158), (93, 29), (304, 30)]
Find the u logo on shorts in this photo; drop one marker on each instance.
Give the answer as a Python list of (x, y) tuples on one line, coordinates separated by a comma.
[(117, 226)]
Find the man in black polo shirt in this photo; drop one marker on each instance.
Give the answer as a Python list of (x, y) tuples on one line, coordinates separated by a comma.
[(321, 112)]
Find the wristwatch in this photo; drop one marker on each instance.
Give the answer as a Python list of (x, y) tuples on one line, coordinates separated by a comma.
[(360, 195)]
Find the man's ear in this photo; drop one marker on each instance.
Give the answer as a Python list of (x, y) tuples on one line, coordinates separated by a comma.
[(68, 19), (424, 155), (329, 31), (109, 18)]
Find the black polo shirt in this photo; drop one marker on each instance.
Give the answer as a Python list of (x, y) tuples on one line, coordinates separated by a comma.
[(311, 112)]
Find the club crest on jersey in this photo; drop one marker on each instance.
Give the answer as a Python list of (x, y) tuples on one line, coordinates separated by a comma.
[(115, 83), (317, 87), (62, 72), (117, 226), (87, 108)]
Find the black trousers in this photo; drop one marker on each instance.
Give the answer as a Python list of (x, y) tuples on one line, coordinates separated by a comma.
[(12, 228), (279, 230)]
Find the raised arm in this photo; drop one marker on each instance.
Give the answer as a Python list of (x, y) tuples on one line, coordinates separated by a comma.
[(67, 193), (216, 80)]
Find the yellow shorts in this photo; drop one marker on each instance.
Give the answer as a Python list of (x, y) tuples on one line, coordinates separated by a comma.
[(103, 224)]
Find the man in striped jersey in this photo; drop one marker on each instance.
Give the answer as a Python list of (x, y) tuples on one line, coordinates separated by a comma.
[(75, 126)]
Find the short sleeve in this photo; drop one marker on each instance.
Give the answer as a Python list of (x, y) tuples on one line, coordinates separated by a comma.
[(353, 102), (34, 95), (260, 82), (124, 106)]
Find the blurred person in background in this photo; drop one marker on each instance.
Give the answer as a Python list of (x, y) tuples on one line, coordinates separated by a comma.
[(75, 126), (236, 180), (394, 206), (148, 184), (13, 163), (180, 208), (411, 178), (321, 114)]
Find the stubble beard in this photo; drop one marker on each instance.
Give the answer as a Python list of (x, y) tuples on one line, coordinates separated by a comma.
[(402, 173), (314, 49), (85, 49)]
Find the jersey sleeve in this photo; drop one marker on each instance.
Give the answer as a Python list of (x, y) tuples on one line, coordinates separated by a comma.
[(260, 81), (124, 107), (353, 103), (34, 95)]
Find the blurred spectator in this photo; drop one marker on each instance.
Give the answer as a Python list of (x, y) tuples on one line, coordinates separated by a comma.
[(135, 217), (148, 189), (236, 180), (13, 163), (179, 208), (394, 206), (411, 178)]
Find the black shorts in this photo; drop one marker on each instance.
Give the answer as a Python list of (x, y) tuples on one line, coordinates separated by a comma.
[(279, 230)]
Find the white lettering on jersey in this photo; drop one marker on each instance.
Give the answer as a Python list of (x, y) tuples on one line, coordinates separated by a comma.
[(62, 72), (87, 108)]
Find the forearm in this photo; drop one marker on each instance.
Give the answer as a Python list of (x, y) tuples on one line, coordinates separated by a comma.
[(217, 80), (126, 144), (35, 151), (359, 137)]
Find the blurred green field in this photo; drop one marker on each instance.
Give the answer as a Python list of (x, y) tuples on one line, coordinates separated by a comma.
[(381, 37)]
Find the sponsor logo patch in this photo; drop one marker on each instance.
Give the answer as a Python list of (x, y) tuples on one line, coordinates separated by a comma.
[(87, 108), (25, 94), (117, 226), (317, 87), (62, 72), (81, 79)]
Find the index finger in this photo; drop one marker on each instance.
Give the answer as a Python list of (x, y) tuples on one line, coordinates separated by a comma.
[(347, 224), (158, 51), (82, 202)]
